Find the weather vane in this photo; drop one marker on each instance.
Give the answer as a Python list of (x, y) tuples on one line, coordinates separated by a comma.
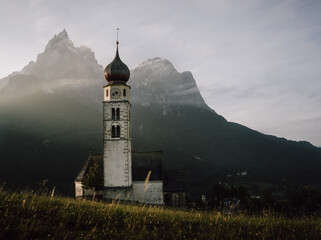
[(117, 36)]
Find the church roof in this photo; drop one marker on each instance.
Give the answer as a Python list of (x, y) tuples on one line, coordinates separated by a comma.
[(143, 162), (90, 161)]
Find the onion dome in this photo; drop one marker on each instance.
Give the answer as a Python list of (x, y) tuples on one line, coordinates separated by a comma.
[(117, 72)]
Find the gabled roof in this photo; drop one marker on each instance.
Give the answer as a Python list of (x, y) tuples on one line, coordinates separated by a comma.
[(143, 162), (90, 161)]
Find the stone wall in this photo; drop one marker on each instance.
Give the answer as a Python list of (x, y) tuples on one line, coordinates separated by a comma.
[(151, 192)]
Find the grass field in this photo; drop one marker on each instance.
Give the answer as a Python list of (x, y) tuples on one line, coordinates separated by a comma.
[(32, 216)]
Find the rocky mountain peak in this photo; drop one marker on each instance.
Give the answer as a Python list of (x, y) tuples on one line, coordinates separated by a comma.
[(59, 67), (63, 34), (61, 59), (58, 41), (157, 64), (157, 81)]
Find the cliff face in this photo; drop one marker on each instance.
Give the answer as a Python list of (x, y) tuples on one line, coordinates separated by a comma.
[(156, 81)]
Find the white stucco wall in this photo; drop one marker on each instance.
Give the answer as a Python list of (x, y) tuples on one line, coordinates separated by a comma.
[(78, 189), (152, 192), (117, 164), (81, 192), (117, 151)]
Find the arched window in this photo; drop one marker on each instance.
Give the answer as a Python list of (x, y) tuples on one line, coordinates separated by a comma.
[(113, 131), (124, 92), (118, 131), (117, 114), (113, 113), (106, 92)]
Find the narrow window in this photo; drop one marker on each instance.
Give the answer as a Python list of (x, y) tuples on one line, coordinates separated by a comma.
[(124, 92), (117, 114), (113, 113), (113, 132), (106, 92), (118, 131)]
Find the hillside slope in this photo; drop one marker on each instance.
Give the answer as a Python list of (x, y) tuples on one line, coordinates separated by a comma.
[(31, 216), (51, 116)]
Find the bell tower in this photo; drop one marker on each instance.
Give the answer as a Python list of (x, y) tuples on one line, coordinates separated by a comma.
[(117, 159)]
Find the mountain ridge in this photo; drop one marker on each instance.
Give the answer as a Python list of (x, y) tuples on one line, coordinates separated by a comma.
[(55, 120)]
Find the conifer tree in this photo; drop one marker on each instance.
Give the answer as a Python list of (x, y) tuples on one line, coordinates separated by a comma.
[(93, 179)]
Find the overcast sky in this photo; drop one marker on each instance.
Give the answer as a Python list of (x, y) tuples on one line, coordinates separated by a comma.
[(256, 62)]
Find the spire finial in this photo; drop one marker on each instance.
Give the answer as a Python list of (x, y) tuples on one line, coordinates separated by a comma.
[(117, 36)]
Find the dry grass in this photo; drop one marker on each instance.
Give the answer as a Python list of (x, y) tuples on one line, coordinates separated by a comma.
[(30, 216)]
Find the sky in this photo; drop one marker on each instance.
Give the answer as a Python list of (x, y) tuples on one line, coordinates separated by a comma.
[(256, 62)]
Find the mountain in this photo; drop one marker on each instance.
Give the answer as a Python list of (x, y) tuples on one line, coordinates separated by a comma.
[(169, 113), (61, 69), (156, 81), (51, 116)]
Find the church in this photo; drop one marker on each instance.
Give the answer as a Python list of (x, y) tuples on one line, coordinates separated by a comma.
[(128, 175)]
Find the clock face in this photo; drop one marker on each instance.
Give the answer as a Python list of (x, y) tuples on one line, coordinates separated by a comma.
[(115, 93)]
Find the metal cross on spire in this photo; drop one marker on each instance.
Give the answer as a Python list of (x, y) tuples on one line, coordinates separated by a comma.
[(117, 36)]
